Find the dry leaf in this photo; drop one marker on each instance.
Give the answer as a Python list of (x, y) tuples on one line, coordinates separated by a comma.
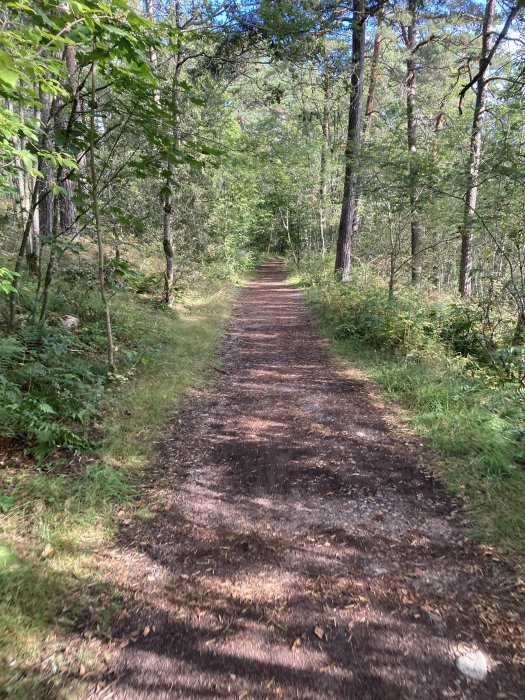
[(296, 643), (319, 632), (147, 630), (48, 549)]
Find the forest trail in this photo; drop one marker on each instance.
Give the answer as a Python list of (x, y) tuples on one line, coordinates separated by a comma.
[(298, 548)]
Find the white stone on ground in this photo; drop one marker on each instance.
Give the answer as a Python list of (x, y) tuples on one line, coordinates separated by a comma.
[(473, 664), (70, 323)]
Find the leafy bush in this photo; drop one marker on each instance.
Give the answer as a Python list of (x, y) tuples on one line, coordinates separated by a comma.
[(49, 388), (6, 279), (408, 324)]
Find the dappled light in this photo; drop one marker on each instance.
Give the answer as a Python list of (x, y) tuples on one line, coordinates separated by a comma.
[(298, 549), (262, 349)]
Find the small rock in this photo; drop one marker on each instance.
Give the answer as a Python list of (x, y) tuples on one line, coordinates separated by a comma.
[(473, 664), (70, 323)]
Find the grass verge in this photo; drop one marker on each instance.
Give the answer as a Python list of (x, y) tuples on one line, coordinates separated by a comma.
[(469, 418), (58, 596)]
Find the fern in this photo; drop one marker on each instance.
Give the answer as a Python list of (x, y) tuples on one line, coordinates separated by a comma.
[(49, 389)]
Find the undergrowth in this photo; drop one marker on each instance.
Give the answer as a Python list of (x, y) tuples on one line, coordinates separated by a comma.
[(429, 355), (85, 440)]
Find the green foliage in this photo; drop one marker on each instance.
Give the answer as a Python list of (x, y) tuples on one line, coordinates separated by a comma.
[(94, 489), (419, 351), (6, 278), (49, 387), (169, 351)]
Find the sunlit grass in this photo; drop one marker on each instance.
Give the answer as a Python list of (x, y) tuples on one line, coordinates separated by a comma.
[(179, 345), (468, 419), (58, 521)]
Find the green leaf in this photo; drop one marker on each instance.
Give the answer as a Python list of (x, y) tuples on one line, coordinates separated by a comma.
[(8, 72)]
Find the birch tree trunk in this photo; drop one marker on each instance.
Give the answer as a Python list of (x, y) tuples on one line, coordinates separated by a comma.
[(353, 143), (471, 195)]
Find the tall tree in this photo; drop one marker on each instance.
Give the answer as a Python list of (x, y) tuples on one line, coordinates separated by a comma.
[(353, 143), (479, 82), (325, 125), (371, 97), (409, 37)]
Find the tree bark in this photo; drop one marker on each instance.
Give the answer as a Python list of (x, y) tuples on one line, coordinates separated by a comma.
[(415, 223), (96, 212), (167, 235), (168, 198), (471, 196), (374, 72), (519, 330), (324, 160), (370, 102), (353, 143), (20, 261)]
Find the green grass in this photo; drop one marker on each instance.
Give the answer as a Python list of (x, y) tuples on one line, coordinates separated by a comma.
[(470, 418), (57, 519), (464, 424), (176, 349)]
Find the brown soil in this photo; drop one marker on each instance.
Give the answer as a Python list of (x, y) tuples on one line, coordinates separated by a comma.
[(300, 546)]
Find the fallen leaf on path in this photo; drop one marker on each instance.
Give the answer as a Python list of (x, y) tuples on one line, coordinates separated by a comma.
[(319, 632), (146, 631), (296, 643)]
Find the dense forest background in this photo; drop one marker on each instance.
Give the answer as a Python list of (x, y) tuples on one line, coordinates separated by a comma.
[(152, 153)]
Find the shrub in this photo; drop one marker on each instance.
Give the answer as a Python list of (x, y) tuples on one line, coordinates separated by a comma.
[(50, 388)]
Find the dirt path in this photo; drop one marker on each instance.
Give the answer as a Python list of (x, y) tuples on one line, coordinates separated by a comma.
[(298, 550)]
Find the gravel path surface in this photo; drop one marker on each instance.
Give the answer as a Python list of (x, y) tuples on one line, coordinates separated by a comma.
[(301, 547)]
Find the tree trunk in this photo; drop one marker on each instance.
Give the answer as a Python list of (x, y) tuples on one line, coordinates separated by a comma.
[(353, 143), (415, 224), (96, 212), (167, 241), (33, 242), (519, 330), (324, 158), (46, 205), (370, 102), (471, 196), (168, 198), (13, 296), (167, 236), (374, 72)]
